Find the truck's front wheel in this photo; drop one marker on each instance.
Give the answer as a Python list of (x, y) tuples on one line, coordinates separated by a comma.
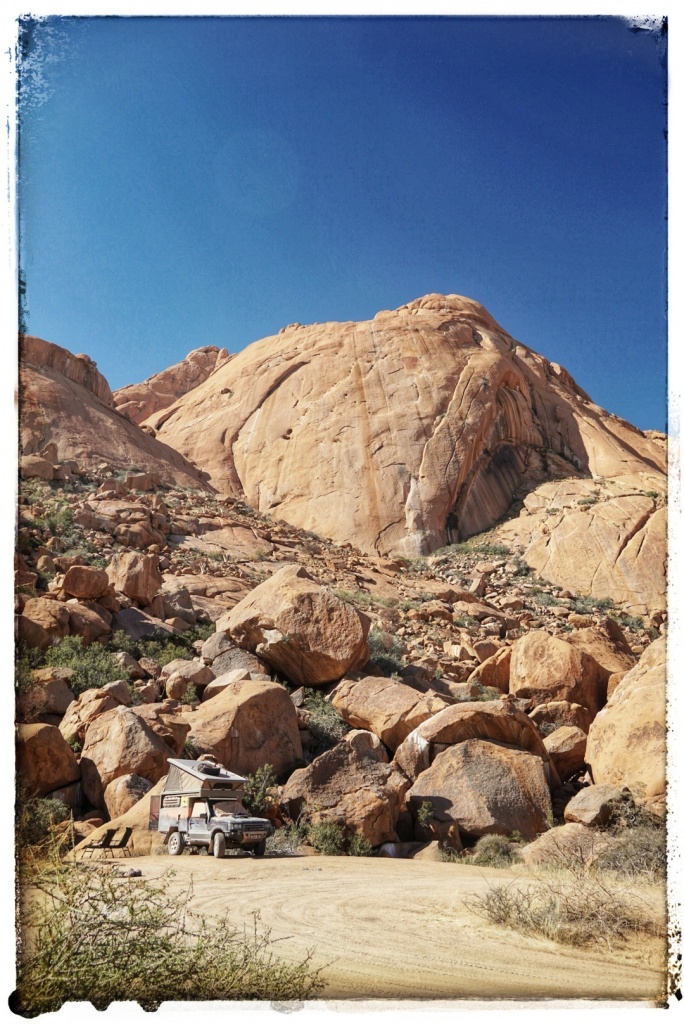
[(260, 848), (219, 845), (175, 845)]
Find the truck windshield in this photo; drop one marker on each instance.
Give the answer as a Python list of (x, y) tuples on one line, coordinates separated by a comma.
[(223, 808)]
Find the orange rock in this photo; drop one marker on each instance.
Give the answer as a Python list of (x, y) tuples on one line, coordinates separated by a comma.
[(626, 745), (84, 581), (135, 575), (566, 747), (139, 401), (425, 421), (353, 789), (300, 628), (387, 708), (486, 788), (247, 725), (547, 668), (45, 761)]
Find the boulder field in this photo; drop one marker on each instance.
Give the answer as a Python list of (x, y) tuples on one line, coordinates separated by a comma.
[(169, 603)]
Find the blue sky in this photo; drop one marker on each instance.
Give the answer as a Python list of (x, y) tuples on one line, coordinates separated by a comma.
[(187, 182)]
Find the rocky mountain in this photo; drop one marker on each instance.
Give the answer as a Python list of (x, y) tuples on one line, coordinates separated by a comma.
[(66, 406), (139, 401), (406, 680), (422, 427)]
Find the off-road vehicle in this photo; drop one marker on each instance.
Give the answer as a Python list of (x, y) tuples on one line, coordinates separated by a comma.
[(201, 806)]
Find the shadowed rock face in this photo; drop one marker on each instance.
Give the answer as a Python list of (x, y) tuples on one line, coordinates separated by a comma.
[(138, 401), (401, 433), (66, 401)]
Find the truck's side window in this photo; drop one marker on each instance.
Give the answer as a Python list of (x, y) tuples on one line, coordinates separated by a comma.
[(199, 810)]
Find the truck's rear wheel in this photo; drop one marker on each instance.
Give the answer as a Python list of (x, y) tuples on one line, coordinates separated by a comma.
[(260, 849), (219, 845), (175, 845)]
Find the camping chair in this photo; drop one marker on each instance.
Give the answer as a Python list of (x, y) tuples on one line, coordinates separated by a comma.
[(103, 843), (122, 844)]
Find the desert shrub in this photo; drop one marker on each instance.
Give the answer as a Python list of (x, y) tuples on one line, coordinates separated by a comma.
[(190, 749), (545, 599), (363, 598), (386, 651), (328, 838), (288, 839), (633, 622), (476, 547), (359, 846), (424, 812), (495, 852), (636, 852), (466, 622), (95, 937), (93, 664), (326, 725), (261, 790), (36, 817), (486, 693), (579, 911)]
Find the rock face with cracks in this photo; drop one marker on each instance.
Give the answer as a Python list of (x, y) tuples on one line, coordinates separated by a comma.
[(138, 401), (426, 421), (300, 628), (387, 708)]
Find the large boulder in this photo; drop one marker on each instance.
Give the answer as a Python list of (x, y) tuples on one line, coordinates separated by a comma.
[(247, 725), (139, 625), (45, 761), (135, 575), (486, 788), (167, 720), (596, 805), (87, 622), (42, 622), (88, 706), (547, 668), (47, 694), (387, 708), (494, 670), (121, 794), (120, 742), (300, 628), (498, 721), (607, 645), (138, 401), (626, 744), (566, 747), (570, 845), (350, 787), (85, 582)]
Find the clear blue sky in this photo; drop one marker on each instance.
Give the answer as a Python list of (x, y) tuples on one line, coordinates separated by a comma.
[(187, 182)]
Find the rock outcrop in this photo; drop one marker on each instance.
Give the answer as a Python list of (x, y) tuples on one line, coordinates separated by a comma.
[(65, 401), (139, 401), (428, 421), (45, 761), (626, 744)]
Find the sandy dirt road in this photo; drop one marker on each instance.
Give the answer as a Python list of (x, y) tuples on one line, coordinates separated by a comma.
[(398, 929)]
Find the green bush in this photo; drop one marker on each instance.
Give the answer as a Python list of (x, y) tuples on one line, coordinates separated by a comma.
[(94, 937), (326, 725), (495, 852), (386, 651), (161, 650), (261, 790), (359, 846), (424, 813), (93, 665), (36, 817), (328, 838)]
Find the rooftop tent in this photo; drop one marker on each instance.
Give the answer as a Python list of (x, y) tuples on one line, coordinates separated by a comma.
[(191, 776)]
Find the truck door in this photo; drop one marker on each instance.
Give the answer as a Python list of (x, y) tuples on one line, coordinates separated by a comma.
[(198, 823)]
